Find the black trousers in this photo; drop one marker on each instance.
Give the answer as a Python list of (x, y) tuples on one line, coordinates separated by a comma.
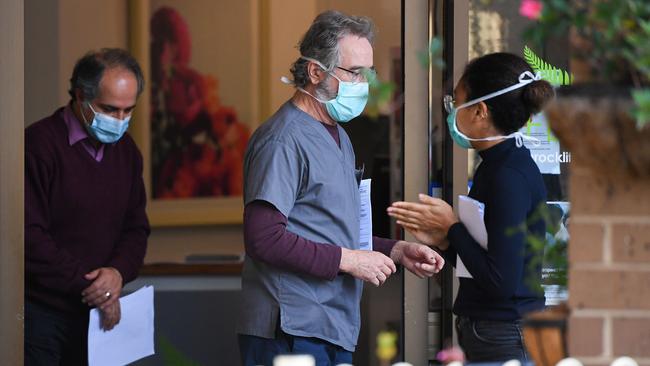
[(55, 338), (490, 340)]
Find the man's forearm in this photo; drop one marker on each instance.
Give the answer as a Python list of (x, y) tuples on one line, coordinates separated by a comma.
[(267, 240)]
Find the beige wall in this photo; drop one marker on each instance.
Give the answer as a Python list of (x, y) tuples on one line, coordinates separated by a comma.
[(57, 33), (86, 25), (285, 34)]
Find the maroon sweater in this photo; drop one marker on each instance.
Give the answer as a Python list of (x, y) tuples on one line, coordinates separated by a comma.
[(266, 239), (80, 214)]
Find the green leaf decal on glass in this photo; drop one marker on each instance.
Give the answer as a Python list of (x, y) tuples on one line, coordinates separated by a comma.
[(550, 73)]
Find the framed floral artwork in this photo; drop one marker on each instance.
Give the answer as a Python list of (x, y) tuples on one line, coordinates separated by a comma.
[(199, 106)]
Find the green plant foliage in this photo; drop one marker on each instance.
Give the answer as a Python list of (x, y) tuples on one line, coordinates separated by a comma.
[(642, 110), (172, 356), (550, 73), (433, 54), (546, 252), (612, 37), (380, 92)]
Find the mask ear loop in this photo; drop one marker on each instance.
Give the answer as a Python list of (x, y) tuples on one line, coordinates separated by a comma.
[(288, 81), (520, 137)]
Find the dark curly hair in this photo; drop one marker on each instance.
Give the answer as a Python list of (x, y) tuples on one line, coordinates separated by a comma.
[(496, 71)]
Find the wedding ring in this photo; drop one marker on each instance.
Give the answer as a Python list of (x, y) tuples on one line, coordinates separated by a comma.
[(107, 294)]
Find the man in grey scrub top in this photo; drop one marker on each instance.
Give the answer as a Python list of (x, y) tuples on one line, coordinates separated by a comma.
[(304, 269)]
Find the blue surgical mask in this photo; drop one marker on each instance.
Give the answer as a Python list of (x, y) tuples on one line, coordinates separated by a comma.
[(463, 140), (458, 137), (350, 100), (106, 129)]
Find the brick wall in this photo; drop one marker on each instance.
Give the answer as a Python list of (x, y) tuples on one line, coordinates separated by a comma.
[(609, 273)]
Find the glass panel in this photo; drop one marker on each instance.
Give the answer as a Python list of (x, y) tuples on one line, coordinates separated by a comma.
[(497, 26), (440, 164)]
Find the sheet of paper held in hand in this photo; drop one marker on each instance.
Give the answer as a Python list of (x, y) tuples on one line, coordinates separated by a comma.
[(131, 339), (471, 212), (365, 208)]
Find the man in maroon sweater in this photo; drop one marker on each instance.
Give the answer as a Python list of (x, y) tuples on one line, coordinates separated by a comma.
[(85, 223)]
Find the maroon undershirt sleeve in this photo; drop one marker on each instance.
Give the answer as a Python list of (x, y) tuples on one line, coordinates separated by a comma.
[(383, 245), (267, 240)]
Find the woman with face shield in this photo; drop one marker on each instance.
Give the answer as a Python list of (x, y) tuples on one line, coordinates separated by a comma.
[(495, 97)]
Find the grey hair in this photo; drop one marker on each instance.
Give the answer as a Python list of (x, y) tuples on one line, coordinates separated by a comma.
[(89, 69), (321, 42)]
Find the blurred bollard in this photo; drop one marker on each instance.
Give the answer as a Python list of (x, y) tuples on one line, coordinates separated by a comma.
[(386, 346)]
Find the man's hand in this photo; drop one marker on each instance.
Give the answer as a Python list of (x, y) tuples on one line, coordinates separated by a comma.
[(111, 315), (417, 258), (105, 289), (369, 266)]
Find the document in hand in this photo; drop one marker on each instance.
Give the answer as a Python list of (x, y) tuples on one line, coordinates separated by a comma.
[(365, 214), (471, 212), (131, 339)]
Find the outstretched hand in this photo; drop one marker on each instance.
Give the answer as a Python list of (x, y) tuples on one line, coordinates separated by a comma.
[(428, 220), (417, 258)]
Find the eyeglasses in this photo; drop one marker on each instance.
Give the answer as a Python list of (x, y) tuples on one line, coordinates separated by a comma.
[(448, 103), (363, 74)]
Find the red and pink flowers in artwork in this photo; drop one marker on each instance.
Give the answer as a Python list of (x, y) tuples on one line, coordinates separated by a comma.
[(197, 144)]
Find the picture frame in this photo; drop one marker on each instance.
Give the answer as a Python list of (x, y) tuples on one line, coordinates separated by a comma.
[(226, 209)]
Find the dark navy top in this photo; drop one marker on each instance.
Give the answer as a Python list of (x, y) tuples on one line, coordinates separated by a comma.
[(505, 283)]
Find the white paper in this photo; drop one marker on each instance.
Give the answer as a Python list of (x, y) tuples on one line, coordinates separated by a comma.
[(131, 339), (546, 153), (365, 215), (471, 212)]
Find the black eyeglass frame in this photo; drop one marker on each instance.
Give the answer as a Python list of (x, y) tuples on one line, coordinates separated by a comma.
[(366, 72)]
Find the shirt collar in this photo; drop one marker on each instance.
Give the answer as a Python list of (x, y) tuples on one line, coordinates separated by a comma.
[(76, 132), (498, 150)]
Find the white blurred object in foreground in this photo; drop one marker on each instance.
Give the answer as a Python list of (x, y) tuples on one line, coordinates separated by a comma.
[(294, 360)]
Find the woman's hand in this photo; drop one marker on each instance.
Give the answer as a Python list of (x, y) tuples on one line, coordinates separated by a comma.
[(429, 220)]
